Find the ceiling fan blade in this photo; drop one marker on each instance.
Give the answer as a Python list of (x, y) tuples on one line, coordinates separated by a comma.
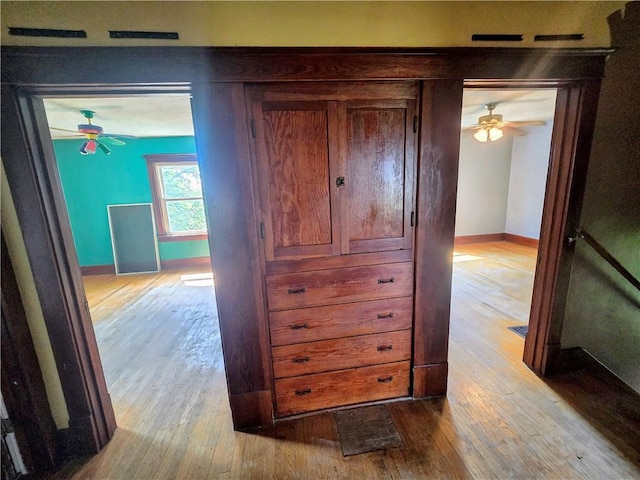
[(527, 123), (111, 140), (65, 130), (518, 132)]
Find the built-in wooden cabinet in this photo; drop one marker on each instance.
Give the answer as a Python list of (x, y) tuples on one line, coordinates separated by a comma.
[(334, 170)]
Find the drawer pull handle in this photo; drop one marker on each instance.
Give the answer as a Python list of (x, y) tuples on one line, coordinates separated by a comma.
[(386, 280), (306, 391), (298, 327), (382, 315), (385, 379), (385, 348), (301, 359), (293, 291)]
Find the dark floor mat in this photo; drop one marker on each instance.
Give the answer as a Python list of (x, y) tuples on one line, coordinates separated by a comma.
[(520, 330), (366, 429)]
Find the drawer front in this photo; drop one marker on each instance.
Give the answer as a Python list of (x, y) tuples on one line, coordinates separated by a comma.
[(335, 321), (337, 354), (340, 285), (346, 387)]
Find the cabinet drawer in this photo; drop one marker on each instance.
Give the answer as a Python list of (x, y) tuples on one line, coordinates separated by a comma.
[(337, 354), (340, 285), (345, 387), (334, 321)]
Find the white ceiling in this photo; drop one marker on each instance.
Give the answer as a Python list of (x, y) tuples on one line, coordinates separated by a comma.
[(158, 115), (169, 115), (513, 104)]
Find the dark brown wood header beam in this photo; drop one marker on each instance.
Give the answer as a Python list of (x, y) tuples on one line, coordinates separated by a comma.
[(99, 65)]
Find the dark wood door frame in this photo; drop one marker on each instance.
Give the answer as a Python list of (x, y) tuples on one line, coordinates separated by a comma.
[(574, 116), (217, 77)]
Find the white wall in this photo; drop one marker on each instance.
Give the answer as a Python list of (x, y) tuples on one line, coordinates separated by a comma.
[(501, 185), (483, 186), (527, 182)]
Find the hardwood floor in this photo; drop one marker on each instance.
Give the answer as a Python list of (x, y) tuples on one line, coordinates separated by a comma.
[(160, 346)]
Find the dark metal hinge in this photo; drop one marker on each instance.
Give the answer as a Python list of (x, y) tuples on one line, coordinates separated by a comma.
[(340, 182), (415, 123), (413, 218), (262, 230), (253, 128)]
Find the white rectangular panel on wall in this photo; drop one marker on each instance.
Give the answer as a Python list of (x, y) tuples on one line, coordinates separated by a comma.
[(133, 238)]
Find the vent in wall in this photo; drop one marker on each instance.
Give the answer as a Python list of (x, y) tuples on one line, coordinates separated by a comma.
[(554, 38), (147, 35), (47, 32), (482, 37)]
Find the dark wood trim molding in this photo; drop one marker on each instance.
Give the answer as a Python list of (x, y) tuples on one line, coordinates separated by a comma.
[(98, 270), (222, 136), (41, 65), (215, 77), (23, 390), (430, 380), (483, 238), (496, 237), (570, 148), (435, 224), (526, 241), (30, 166)]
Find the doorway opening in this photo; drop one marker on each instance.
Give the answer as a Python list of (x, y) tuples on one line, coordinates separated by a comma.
[(505, 150), (129, 175)]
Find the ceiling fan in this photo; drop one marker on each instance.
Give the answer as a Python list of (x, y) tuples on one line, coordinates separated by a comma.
[(491, 128), (96, 138)]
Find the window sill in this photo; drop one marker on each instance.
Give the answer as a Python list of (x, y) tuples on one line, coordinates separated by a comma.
[(182, 238)]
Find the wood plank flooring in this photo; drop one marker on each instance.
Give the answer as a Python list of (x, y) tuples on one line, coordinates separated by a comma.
[(160, 345)]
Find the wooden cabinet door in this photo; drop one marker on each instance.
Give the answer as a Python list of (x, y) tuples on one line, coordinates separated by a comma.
[(335, 166), (379, 161), (295, 149)]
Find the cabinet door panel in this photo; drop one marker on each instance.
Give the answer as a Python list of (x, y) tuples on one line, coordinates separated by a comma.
[(379, 162), (294, 169)]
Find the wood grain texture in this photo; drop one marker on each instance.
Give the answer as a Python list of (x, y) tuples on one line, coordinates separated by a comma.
[(437, 187), (334, 321), (499, 420), (222, 138), (574, 118), (345, 285), (338, 261), (375, 162), (155, 65), (298, 159), (429, 380), (345, 387), (340, 353)]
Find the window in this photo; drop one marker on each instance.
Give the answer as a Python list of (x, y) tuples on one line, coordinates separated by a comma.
[(177, 196)]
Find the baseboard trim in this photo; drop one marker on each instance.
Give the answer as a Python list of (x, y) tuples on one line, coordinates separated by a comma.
[(164, 264), (496, 237), (430, 380), (98, 270), (529, 242), (487, 237)]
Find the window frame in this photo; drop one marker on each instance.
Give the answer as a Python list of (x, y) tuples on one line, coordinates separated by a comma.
[(154, 161)]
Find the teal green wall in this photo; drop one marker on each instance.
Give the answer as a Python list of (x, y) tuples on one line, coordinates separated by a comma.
[(91, 182)]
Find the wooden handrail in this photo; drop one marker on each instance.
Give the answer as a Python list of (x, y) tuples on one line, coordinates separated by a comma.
[(593, 243)]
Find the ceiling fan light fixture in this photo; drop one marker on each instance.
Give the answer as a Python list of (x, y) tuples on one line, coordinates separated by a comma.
[(495, 134), (481, 135)]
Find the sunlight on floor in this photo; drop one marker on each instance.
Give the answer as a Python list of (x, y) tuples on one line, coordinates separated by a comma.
[(459, 257), (197, 280)]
